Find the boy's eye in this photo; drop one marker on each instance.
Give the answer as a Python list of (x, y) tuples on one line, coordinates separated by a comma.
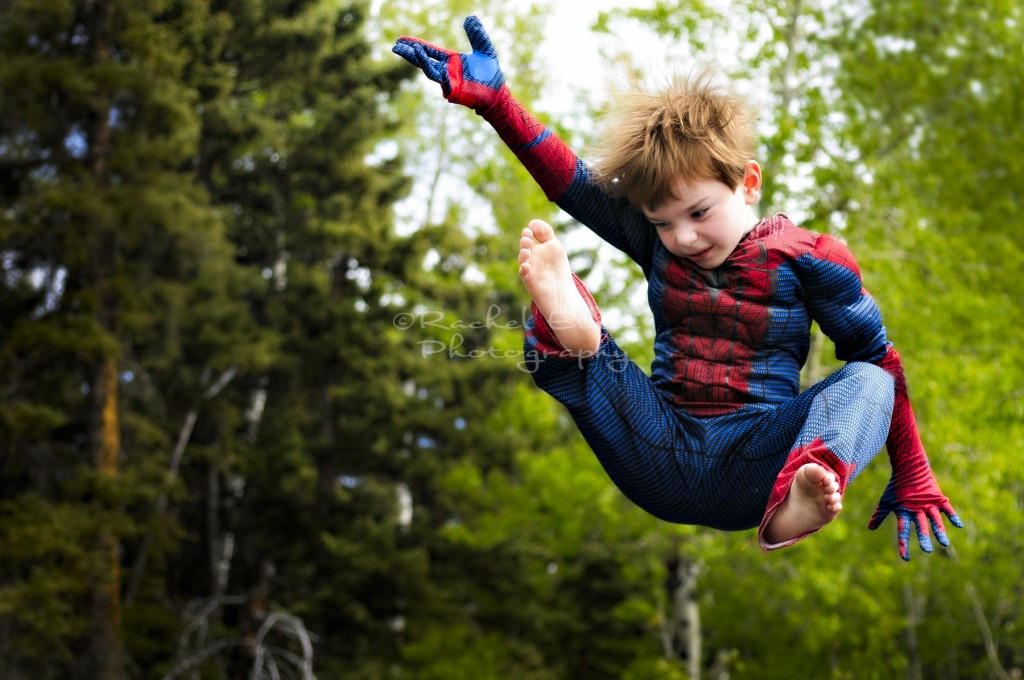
[(660, 225), (697, 214)]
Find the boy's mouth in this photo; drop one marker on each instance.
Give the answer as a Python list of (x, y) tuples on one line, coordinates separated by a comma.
[(700, 255)]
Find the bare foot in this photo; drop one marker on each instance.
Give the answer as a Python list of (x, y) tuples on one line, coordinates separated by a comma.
[(544, 268), (812, 502)]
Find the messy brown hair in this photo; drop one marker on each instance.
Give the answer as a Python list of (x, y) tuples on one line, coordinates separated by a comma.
[(691, 130)]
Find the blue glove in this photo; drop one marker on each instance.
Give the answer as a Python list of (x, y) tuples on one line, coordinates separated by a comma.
[(473, 80)]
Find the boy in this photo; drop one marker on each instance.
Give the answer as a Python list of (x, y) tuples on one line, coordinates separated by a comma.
[(719, 435)]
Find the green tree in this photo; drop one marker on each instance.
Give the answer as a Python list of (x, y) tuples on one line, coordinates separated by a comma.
[(118, 294), (332, 492), (291, 507), (936, 180), (902, 116)]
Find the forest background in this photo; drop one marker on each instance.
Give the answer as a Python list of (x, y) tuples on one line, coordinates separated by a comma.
[(262, 412)]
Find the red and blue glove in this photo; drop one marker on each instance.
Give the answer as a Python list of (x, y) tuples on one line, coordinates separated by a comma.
[(915, 498), (473, 79)]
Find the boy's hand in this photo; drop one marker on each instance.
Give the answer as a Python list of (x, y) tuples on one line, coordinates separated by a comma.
[(915, 500), (472, 80)]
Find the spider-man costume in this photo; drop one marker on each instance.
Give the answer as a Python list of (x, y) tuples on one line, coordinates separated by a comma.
[(717, 433)]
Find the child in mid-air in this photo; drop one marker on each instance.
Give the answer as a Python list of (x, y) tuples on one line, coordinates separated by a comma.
[(720, 434)]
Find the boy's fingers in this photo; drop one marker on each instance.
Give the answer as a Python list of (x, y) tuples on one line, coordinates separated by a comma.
[(433, 51), (877, 518), (938, 527), (924, 538), (953, 517), (478, 38), (434, 69), (903, 535), (406, 52)]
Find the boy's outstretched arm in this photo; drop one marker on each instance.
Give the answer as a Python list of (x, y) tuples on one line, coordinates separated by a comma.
[(475, 80), (849, 316)]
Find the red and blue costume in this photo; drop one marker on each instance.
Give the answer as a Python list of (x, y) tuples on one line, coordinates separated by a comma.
[(717, 432)]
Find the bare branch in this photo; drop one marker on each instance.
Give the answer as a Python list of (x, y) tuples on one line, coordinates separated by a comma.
[(184, 435), (290, 625), (222, 382)]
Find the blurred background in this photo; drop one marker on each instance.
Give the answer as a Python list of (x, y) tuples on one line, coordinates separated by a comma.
[(263, 412)]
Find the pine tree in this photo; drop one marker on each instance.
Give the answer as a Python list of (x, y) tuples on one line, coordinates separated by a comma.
[(117, 295), (352, 416)]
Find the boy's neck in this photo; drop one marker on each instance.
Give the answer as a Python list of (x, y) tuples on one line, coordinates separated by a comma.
[(755, 219)]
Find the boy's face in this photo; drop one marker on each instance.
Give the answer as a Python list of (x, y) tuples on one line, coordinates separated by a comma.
[(707, 220)]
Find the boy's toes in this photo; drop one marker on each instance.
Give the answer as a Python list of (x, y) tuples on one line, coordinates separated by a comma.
[(816, 477), (540, 230)]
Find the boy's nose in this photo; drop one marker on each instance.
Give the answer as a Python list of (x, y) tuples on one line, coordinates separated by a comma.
[(685, 236)]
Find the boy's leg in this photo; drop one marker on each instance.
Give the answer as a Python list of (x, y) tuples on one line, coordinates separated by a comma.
[(843, 422), (635, 434), (544, 268)]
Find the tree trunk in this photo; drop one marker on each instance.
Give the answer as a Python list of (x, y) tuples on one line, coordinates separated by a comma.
[(682, 636), (105, 428), (106, 446), (913, 619)]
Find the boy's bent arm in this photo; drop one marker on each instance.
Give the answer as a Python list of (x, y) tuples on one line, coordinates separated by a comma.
[(475, 80), (846, 312), (913, 494)]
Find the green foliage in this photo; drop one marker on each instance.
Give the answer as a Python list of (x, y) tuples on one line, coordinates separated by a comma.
[(903, 116), (301, 261)]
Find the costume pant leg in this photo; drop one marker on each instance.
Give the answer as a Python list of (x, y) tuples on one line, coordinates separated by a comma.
[(637, 436), (740, 463), (841, 423)]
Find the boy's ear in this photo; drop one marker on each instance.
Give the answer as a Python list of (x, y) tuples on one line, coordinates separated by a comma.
[(752, 182)]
